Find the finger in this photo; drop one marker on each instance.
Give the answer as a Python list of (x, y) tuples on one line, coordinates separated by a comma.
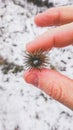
[(55, 16), (52, 83), (57, 37)]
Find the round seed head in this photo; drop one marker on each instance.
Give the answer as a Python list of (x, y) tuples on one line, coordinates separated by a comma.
[(37, 59)]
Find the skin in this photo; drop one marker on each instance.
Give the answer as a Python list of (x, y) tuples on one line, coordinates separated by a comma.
[(51, 82)]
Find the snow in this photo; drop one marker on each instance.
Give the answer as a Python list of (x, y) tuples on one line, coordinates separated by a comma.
[(22, 106)]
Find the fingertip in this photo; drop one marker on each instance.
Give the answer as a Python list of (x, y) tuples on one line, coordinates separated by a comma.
[(31, 77), (30, 46), (47, 18), (37, 20), (25, 76)]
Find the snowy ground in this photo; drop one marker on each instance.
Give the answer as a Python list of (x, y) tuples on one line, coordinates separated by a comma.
[(22, 106)]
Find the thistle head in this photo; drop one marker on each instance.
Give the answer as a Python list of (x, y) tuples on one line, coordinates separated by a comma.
[(36, 59)]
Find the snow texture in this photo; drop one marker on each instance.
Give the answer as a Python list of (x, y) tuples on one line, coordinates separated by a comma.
[(22, 106)]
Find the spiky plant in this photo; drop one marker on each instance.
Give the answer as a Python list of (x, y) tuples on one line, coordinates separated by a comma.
[(37, 59)]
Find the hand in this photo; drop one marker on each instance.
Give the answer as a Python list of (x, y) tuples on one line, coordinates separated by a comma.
[(51, 82)]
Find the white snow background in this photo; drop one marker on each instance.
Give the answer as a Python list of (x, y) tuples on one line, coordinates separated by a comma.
[(22, 106)]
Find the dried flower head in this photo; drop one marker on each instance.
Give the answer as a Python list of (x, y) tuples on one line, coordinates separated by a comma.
[(37, 59)]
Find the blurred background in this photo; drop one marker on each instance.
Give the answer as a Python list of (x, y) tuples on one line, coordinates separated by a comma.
[(22, 106)]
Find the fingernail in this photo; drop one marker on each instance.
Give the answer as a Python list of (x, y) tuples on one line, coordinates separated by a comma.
[(31, 78)]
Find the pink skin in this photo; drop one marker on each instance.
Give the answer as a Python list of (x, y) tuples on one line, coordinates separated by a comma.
[(55, 16), (51, 82)]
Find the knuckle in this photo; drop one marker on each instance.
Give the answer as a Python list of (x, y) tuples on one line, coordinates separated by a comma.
[(56, 91), (58, 20)]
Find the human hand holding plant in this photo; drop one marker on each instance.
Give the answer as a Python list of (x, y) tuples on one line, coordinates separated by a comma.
[(51, 82)]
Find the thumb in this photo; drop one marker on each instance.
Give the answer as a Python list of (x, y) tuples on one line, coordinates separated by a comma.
[(54, 84)]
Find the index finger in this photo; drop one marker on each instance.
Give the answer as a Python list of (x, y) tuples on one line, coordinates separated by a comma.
[(58, 37), (55, 16)]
